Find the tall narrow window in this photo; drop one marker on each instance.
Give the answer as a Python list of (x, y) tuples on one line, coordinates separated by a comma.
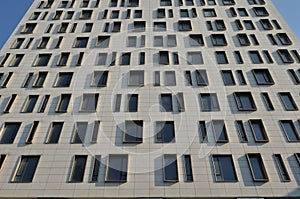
[(55, 131), (180, 102), (30, 104), (241, 78), (224, 169), (26, 169), (133, 131), (219, 131), (78, 168), (255, 57), (170, 78), (96, 168), (294, 76), (188, 168), (32, 132), (165, 132), (79, 132), (281, 168), (44, 104), (10, 103), (9, 132), (117, 105), (166, 103), (117, 168), (241, 131), (170, 168), (132, 102), (267, 102), (257, 168), (27, 80), (258, 130), (95, 132), (203, 132)]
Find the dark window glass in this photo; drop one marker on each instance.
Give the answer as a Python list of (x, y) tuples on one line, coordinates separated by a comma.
[(288, 101), (9, 132), (290, 130), (170, 168), (281, 168), (30, 104), (117, 168), (63, 103), (228, 77), (78, 168), (219, 130), (241, 131), (26, 169), (188, 168), (166, 104), (224, 168), (263, 77), (133, 102), (79, 132), (165, 132), (244, 101), (258, 131), (55, 132), (133, 132), (257, 168), (209, 102), (64, 79), (96, 168)]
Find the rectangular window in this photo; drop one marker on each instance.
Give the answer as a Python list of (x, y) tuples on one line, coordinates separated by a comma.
[(125, 59), (267, 102), (117, 105), (170, 78), (63, 60), (86, 14), (139, 26), (293, 74), (142, 57), (18, 43), (218, 40), (196, 40), (42, 60), (170, 168), (241, 78), (263, 77), (188, 78), (164, 58), (203, 132), (244, 101), (209, 102), (102, 59), (26, 169), (158, 41), (116, 26), (238, 57), (133, 131), (96, 168), (209, 12), (172, 42), (221, 57), (136, 78), (165, 132), (188, 168), (219, 131), (103, 41), (16, 60), (44, 104), (156, 78), (257, 167), (159, 26), (255, 57), (224, 169), (28, 28), (241, 131), (81, 42), (32, 132), (55, 131), (281, 168), (258, 130), (63, 28), (64, 79), (44, 42), (95, 132), (30, 104), (63, 103), (99, 78), (285, 56), (131, 41), (27, 80), (133, 100), (290, 130), (194, 58), (249, 25), (201, 77), (228, 78), (89, 102), (288, 101), (10, 103), (79, 134), (180, 102), (243, 39), (116, 170), (41, 78), (166, 104), (2, 159), (78, 168), (9, 132), (185, 25)]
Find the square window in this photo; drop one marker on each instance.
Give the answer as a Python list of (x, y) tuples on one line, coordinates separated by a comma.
[(290, 130), (194, 58), (209, 102), (136, 78), (133, 132), (166, 103), (228, 78), (30, 103), (42, 60), (255, 57), (218, 40), (170, 78), (221, 57), (81, 42), (63, 103), (184, 26), (125, 59), (201, 77), (79, 132), (100, 78), (196, 40), (89, 102), (288, 101)]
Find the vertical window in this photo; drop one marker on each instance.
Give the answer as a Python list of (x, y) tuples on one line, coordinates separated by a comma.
[(288, 101), (133, 131), (224, 169), (156, 78), (131, 41), (219, 131), (44, 104), (96, 127), (125, 59), (2, 159), (241, 78), (180, 102), (290, 130), (294, 76), (55, 131), (10, 103), (165, 132), (166, 104), (96, 168), (64, 79), (117, 106), (257, 168), (184, 25), (244, 101), (32, 132), (164, 58), (63, 103), (241, 131), (80, 58), (258, 130), (16, 60), (89, 102), (78, 168), (132, 102), (26, 169), (188, 168), (9, 132), (209, 102), (170, 168), (203, 132), (172, 42), (102, 59), (188, 78), (267, 101), (221, 57), (79, 132), (44, 42), (281, 168), (238, 57), (27, 80), (63, 60), (228, 77), (30, 104), (170, 78), (117, 168)]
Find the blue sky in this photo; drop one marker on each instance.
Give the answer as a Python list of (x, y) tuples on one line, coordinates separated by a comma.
[(11, 12)]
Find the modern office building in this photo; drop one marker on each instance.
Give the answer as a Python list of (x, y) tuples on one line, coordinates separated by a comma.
[(150, 99)]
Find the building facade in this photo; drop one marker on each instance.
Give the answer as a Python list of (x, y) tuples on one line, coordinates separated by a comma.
[(150, 99)]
